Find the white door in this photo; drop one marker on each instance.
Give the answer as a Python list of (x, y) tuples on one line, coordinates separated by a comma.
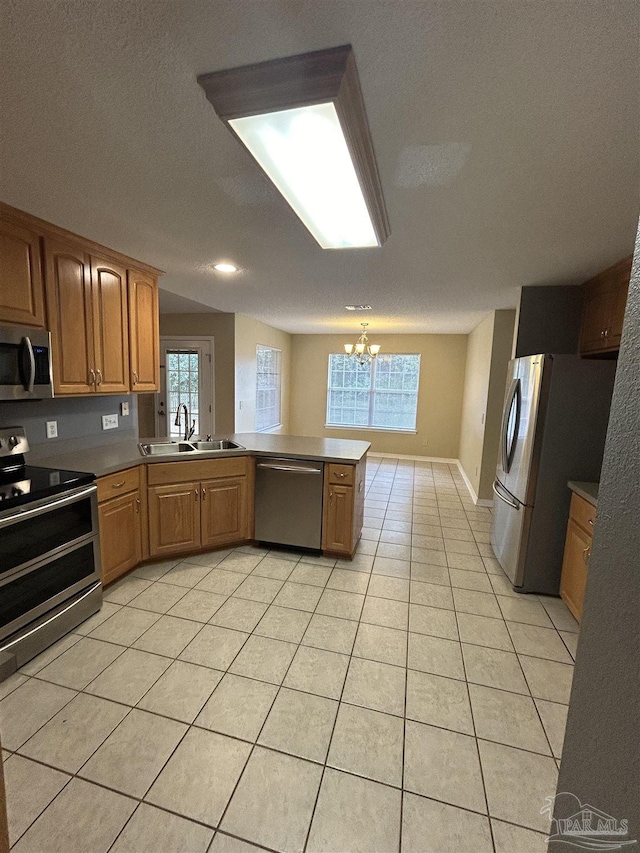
[(186, 376)]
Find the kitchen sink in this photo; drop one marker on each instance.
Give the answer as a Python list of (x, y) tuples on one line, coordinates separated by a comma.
[(169, 448), (219, 444), (165, 448)]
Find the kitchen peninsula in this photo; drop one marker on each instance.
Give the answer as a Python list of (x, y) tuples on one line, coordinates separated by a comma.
[(156, 506)]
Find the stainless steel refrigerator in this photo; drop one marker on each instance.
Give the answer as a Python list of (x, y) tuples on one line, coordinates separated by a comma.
[(554, 426)]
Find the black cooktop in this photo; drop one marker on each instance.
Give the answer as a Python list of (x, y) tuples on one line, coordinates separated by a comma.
[(24, 484)]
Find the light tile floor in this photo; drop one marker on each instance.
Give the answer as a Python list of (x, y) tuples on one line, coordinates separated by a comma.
[(408, 700)]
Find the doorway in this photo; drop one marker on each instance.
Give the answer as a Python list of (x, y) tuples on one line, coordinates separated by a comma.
[(186, 376)]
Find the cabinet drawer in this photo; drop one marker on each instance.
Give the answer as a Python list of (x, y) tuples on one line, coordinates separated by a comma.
[(583, 513), (114, 485), (343, 475), (163, 473)]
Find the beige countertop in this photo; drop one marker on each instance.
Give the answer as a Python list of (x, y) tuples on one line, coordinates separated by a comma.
[(126, 454), (588, 491)]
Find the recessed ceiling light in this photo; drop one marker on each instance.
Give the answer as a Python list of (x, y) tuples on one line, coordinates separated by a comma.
[(303, 120), (358, 307), (222, 267)]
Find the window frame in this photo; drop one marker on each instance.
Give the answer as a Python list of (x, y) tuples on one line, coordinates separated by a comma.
[(371, 391), (278, 374)]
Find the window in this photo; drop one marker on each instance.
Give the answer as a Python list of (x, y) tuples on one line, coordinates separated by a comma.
[(382, 394), (183, 386), (267, 387)]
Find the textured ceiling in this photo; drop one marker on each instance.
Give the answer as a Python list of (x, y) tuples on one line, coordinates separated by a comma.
[(506, 134)]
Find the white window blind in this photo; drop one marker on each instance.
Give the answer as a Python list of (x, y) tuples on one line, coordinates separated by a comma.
[(382, 393), (268, 378)]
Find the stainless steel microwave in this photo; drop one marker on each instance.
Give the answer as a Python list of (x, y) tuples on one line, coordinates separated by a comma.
[(25, 363)]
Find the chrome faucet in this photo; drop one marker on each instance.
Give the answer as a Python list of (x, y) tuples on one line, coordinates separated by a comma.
[(188, 430)]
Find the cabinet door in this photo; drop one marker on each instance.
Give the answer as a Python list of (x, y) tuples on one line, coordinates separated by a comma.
[(577, 550), (225, 511), (595, 317), (617, 307), (111, 327), (120, 535), (68, 289), (174, 518), (337, 528), (144, 342), (21, 293)]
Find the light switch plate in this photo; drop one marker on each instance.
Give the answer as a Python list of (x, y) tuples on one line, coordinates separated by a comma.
[(52, 429), (124, 409), (109, 422)]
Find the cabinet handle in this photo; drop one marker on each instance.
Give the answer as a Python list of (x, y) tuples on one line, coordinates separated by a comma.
[(330, 497), (204, 493), (117, 485), (135, 377), (137, 504), (196, 495), (341, 474), (606, 333), (602, 334), (591, 522), (92, 376), (586, 554), (99, 373)]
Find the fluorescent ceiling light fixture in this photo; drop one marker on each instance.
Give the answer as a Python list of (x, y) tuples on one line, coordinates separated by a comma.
[(303, 120), (358, 307), (225, 267)]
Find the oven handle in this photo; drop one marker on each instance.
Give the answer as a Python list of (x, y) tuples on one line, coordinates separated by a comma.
[(41, 510)]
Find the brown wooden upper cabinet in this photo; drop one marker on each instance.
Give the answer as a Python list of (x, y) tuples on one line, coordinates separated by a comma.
[(70, 311), (88, 320), (144, 335), (21, 293), (101, 307), (110, 326), (605, 300)]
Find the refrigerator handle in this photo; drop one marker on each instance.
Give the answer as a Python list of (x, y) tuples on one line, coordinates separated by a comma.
[(508, 450), (502, 497)]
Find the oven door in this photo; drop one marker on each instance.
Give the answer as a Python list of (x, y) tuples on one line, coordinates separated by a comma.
[(36, 591), (48, 552)]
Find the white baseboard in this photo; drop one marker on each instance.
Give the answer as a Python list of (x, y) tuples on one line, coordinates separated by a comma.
[(474, 497), (440, 459)]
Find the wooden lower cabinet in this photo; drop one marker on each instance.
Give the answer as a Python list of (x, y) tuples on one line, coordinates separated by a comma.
[(343, 507), (122, 522), (337, 530), (224, 511), (211, 512), (577, 551), (174, 518), (120, 535)]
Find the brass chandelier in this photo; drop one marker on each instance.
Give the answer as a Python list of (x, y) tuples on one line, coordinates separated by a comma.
[(362, 350)]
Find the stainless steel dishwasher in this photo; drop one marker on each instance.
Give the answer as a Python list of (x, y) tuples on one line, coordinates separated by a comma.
[(289, 502)]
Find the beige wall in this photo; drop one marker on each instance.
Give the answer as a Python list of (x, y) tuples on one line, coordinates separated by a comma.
[(248, 334), (488, 353), (442, 368), (222, 328), (474, 404)]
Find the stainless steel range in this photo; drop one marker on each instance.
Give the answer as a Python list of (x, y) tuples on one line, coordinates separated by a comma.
[(49, 552)]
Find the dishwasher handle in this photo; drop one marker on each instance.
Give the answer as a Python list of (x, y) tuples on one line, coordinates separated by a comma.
[(290, 468)]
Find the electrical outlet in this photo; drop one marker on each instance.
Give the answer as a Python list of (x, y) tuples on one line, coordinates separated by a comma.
[(124, 409), (52, 429), (109, 422)]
